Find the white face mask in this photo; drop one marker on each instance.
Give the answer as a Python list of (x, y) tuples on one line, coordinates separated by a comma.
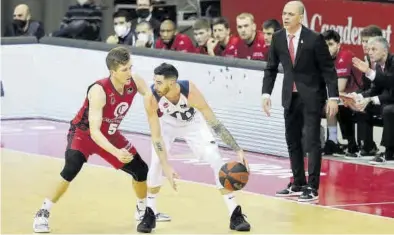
[(121, 30), (143, 37), (82, 2)]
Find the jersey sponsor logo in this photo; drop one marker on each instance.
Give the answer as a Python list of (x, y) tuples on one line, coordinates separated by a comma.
[(184, 116), (121, 109), (112, 98), (341, 70), (130, 90)]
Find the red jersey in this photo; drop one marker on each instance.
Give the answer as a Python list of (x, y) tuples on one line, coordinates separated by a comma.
[(230, 50), (257, 50), (181, 42), (345, 69), (114, 110)]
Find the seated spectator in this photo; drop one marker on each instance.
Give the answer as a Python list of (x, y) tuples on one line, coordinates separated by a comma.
[(202, 34), (224, 44), (171, 40), (145, 35), (122, 28), (23, 25), (365, 141), (349, 81), (81, 21), (144, 13), (269, 28), (252, 45), (379, 99)]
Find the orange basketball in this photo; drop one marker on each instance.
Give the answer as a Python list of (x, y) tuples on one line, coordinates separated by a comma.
[(233, 176)]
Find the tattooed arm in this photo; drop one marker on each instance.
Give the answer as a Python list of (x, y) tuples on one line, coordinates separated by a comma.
[(157, 140), (196, 99), (154, 124)]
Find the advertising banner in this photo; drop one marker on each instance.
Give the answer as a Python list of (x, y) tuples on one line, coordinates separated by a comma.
[(348, 18)]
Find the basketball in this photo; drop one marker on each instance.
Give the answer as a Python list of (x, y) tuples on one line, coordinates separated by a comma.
[(233, 176)]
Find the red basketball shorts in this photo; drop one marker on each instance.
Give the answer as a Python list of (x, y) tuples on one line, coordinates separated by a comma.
[(83, 142)]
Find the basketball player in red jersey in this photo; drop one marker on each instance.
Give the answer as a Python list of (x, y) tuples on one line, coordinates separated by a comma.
[(224, 44), (94, 130), (170, 39), (349, 81), (252, 44)]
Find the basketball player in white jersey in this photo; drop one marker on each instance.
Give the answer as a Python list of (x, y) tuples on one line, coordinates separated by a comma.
[(177, 109)]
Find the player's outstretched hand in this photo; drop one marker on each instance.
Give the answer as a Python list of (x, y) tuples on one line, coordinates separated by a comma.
[(242, 159), (171, 176), (124, 155)]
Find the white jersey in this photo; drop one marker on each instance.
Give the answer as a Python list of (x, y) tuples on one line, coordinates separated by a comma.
[(176, 114)]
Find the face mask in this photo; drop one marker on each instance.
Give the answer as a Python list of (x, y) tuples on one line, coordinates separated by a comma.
[(82, 2), (20, 23), (143, 37), (121, 30), (143, 13)]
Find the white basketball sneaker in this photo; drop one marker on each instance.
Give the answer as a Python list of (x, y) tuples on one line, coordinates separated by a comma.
[(160, 217), (40, 224)]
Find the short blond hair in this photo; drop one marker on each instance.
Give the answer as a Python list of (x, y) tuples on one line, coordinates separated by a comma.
[(245, 15)]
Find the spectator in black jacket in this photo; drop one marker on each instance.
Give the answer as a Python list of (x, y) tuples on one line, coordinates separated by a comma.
[(365, 141), (379, 99), (144, 13), (81, 21), (122, 27), (23, 25)]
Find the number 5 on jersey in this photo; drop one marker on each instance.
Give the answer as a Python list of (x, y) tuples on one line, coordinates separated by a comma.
[(112, 128)]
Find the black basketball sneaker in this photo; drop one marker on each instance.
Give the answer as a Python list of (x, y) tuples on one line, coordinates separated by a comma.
[(238, 222), (148, 223)]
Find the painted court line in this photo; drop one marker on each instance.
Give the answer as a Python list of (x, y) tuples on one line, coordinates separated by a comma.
[(364, 204), (211, 185)]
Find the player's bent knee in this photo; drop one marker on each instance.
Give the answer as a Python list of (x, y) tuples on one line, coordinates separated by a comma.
[(74, 161), (137, 168), (213, 157)]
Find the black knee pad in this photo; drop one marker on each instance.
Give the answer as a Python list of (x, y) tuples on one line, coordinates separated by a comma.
[(137, 168), (74, 161)]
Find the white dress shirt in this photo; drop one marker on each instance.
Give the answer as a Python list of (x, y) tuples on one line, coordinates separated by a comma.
[(371, 74)]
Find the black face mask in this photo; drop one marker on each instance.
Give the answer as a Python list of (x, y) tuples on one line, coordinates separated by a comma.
[(143, 13), (20, 23)]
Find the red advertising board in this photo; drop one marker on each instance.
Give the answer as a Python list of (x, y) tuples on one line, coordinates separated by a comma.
[(346, 17)]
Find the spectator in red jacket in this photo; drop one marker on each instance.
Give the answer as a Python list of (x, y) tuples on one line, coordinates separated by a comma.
[(224, 44), (269, 28), (252, 45), (203, 35), (171, 40)]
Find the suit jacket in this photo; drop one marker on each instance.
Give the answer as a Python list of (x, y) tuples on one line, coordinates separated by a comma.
[(313, 72), (383, 84)]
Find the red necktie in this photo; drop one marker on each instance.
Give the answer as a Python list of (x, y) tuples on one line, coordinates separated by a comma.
[(292, 55)]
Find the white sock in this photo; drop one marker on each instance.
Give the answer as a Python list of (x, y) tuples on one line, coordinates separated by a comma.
[(47, 205), (141, 204), (151, 202), (230, 202), (332, 134)]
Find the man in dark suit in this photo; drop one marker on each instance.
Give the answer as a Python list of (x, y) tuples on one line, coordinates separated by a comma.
[(309, 73), (144, 13), (379, 99)]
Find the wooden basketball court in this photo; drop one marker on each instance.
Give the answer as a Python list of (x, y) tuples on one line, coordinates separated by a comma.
[(101, 200)]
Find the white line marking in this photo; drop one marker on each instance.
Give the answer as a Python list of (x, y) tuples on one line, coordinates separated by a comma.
[(214, 186), (10, 130), (43, 127), (364, 204)]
